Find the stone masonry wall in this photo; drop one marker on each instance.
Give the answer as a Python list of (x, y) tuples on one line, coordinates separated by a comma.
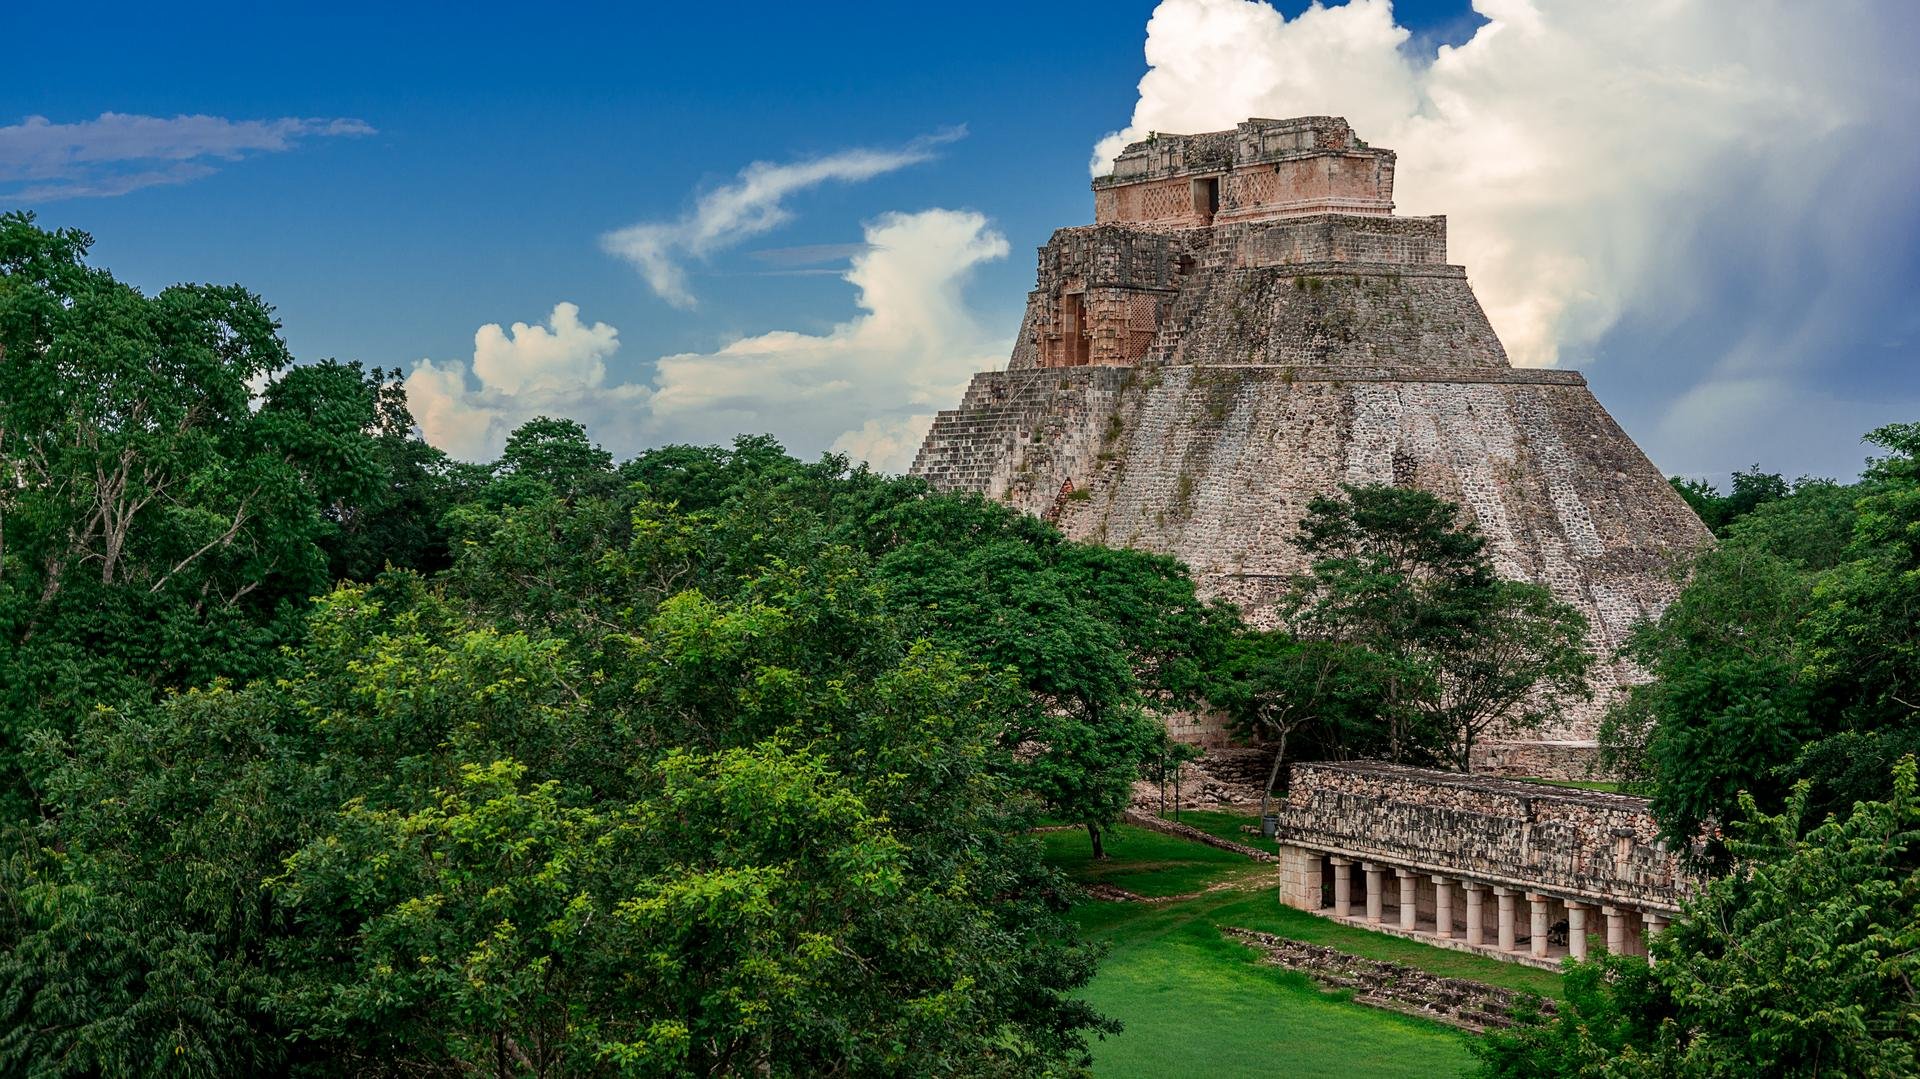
[(1215, 465), (1581, 844), (1344, 238)]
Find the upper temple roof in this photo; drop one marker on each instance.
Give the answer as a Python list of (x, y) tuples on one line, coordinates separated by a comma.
[(1261, 169)]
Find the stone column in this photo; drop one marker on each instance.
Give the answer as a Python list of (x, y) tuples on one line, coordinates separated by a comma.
[(1409, 891), (1537, 938), (1616, 929), (1442, 906), (1476, 919), (1375, 874), (1505, 896), (1651, 925), (1577, 930), (1342, 887)]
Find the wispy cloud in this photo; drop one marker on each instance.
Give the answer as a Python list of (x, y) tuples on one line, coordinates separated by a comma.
[(867, 387), (121, 152), (807, 254), (749, 206)]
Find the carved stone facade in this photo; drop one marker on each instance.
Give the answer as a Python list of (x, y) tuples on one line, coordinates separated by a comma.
[(1261, 170), (1521, 870), (1198, 373)]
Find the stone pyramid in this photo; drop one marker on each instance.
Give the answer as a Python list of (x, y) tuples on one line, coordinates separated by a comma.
[(1247, 325)]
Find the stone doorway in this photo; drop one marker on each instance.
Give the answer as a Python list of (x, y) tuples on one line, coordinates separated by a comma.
[(1206, 197)]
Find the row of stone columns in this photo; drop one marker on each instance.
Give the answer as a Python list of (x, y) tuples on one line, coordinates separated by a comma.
[(1539, 910)]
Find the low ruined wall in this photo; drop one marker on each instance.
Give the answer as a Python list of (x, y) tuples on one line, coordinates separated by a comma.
[(1476, 1006), (1578, 844), (1164, 826)]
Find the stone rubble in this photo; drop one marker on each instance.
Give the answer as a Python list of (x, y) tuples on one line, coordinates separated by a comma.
[(1459, 1002)]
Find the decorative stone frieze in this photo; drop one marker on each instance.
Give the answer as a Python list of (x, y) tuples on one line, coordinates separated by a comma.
[(1587, 846)]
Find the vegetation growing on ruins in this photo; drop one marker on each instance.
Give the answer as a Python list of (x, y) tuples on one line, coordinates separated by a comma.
[(1401, 641), (321, 751)]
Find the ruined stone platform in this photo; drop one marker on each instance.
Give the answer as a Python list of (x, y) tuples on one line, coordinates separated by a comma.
[(1246, 327)]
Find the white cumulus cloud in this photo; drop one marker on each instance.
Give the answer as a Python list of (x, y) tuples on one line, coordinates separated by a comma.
[(1573, 145), (120, 152), (868, 387), (752, 204), (518, 373)]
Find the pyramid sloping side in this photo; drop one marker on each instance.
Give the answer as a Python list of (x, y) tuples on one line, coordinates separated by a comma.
[(1215, 465), (1287, 358)]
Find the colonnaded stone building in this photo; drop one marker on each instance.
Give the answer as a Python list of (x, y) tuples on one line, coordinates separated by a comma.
[(1245, 326), (1520, 871)]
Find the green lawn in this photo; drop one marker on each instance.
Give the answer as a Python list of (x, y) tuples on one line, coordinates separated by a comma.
[(1261, 909), (1225, 825), (1195, 1002), (1603, 785), (1143, 862)]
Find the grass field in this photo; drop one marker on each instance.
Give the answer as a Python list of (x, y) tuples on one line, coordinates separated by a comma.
[(1222, 824), (1195, 1002), (1606, 786), (1143, 862)]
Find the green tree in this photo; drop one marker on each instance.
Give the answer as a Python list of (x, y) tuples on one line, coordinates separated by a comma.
[(559, 454), (1274, 687), (156, 530), (1790, 654), (1103, 639), (1524, 658), (1728, 704), (1750, 490), (1457, 650), (1804, 960), (777, 838)]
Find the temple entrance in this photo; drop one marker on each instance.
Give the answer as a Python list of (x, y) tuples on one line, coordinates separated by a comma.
[(1206, 197), (1076, 337)]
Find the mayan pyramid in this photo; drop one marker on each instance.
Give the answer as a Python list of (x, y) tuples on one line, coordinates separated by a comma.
[(1245, 326)]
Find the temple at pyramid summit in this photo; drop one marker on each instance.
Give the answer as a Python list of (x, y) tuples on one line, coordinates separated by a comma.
[(1247, 325)]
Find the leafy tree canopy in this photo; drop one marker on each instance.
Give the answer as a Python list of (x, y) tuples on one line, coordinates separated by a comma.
[(1448, 649), (1790, 654), (1804, 960), (162, 525)]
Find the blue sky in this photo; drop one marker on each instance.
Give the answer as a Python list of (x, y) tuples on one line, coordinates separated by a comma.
[(504, 143)]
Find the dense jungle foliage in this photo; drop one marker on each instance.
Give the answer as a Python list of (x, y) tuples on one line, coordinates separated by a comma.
[(323, 753)]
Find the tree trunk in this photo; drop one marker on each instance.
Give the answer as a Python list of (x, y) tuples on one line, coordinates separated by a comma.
[(1093, 833), (1273, 776)]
